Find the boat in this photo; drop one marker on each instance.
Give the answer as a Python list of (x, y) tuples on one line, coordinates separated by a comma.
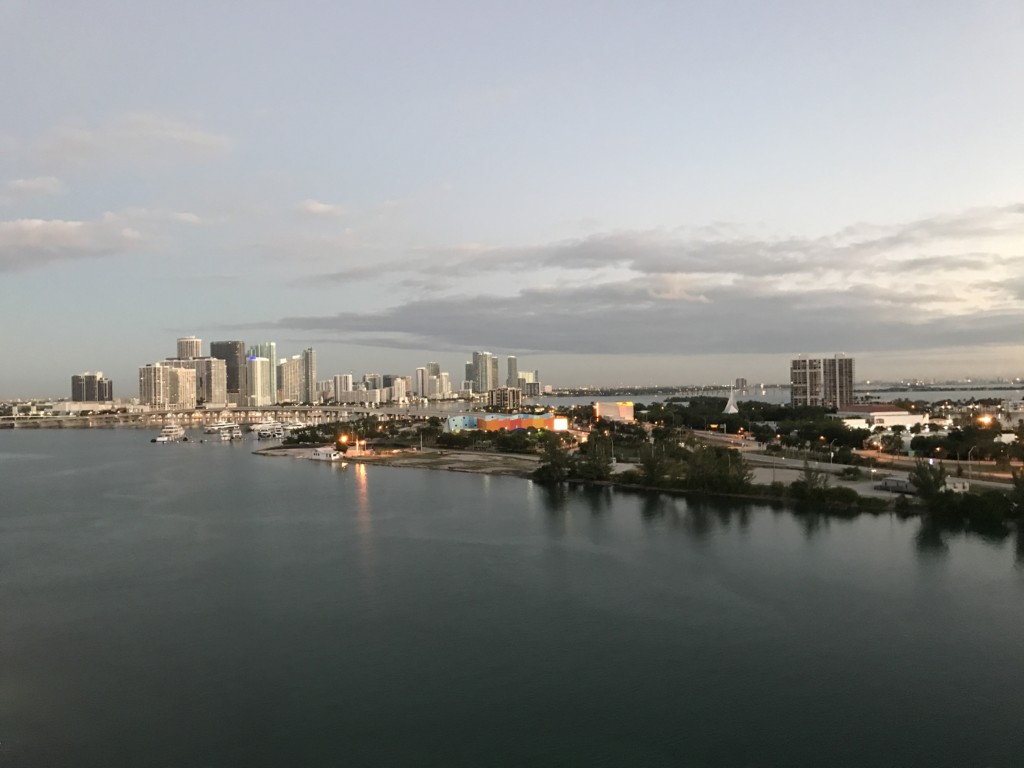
[(172, 433), (269, 431), (220, 426)]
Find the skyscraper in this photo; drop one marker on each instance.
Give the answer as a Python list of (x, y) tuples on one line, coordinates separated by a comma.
[(268, 351), (308, 393), (190, 346), (91, 388), (485, 371), (824, 382), (289, 379), (837, 381), (259, 381), (512, 380), (167, 387), (233, 355)]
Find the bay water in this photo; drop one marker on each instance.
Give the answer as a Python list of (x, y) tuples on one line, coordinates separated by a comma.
[(197, 605)]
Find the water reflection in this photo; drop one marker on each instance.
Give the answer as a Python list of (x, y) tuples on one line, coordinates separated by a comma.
[(598, 498), (930, 538), (363, 500)]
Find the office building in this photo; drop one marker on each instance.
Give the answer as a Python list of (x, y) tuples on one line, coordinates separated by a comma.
[(512, 380), (233, 355)]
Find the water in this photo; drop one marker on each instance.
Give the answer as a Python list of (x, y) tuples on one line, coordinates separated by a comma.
[(195, 605)]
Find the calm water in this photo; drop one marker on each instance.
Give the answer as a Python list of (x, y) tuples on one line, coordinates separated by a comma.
[(195, 605)]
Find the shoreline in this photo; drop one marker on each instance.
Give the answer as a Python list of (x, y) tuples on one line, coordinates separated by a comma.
[(509, 465)]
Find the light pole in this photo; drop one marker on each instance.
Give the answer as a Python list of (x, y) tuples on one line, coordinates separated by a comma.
[(969, 475), (831, 454)]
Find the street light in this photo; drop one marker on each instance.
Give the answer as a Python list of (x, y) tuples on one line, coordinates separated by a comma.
[(831, 454), (969, 475)]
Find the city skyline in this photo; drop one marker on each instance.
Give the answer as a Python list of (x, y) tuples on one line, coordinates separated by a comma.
[(652, 194)]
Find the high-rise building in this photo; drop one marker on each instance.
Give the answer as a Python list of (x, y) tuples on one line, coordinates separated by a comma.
[(485, 372), (373, 380), (91, 388), (342, 383), (470, 376), (233, 355), (165, 386), (422, 383), (837, 381), (268, 351), (308, 393), (210, 378), (506, 398), (189, 346), (259, 381), (398, 391), (153, 385), (824, 382), (512, 380), (289, 379)]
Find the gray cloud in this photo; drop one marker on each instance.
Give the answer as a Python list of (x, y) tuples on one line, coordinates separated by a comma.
[(31, 243), (864, 288)]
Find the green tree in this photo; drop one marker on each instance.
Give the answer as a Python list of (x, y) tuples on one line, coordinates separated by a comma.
[(595, 463), (929, 480), (892, 443), (653, 464), (555, 464)]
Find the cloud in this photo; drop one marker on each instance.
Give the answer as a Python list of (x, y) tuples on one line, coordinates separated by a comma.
[(27, 244), (936, 282), (136, 139), (32, 243), (316, 208), (39, 186)]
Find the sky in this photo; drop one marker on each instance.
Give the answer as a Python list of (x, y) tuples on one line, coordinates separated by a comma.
[(617, 193)]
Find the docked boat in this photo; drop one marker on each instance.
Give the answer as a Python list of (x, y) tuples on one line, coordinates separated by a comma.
[(172, 433), (219, 427)]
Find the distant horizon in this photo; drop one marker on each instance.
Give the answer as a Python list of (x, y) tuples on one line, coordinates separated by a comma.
[(930, 384)]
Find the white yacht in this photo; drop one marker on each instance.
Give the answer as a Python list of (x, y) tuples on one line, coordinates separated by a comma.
[(172, 433)]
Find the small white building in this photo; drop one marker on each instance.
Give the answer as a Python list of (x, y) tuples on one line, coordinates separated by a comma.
[(878, 415)]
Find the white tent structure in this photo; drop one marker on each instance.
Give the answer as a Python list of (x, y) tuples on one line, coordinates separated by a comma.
[(731, 406)]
